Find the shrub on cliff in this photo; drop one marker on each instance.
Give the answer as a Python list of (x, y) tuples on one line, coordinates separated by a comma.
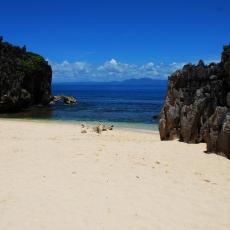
[(31, 62)]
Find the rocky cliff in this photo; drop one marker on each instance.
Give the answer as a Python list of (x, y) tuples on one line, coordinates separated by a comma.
[(197, 105), (25, 78)]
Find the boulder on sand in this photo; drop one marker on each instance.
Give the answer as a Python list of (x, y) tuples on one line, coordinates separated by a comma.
[(98, 128), (101, 127)]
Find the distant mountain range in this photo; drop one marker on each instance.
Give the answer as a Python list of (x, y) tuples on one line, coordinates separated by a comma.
[(142, 81), (132, 81)]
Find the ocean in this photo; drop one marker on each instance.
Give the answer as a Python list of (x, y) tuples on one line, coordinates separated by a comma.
[(131, 106)]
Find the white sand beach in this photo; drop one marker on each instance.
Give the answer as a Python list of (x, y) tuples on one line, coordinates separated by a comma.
[(54, 177)]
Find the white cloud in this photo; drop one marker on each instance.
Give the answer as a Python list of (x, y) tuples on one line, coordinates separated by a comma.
[(112, 70)]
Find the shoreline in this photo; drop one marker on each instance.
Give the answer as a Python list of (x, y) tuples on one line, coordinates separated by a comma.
[(117, 125)]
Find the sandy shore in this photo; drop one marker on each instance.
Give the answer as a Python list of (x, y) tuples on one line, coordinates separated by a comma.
[(54, 177)]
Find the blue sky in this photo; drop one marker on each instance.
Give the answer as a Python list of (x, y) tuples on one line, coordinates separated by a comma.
[(114, 40)]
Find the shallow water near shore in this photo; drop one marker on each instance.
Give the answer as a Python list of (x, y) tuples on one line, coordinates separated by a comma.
[(124, 106)]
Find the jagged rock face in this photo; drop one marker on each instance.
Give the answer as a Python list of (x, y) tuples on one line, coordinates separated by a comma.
[(25, 78), (197, 105)]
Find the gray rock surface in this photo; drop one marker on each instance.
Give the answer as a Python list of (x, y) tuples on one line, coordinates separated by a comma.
[(197, 105)]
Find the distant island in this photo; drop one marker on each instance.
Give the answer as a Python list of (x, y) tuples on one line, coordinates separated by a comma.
[(143, 81), (131, 81)]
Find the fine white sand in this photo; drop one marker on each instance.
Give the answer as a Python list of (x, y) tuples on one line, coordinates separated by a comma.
[(54, 177)]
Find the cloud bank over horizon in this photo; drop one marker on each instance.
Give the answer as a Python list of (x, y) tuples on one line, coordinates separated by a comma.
[(111, 70)]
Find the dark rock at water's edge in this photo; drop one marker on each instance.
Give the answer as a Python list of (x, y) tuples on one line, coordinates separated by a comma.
[(69, 100), (156, 117), (25, 78), (197, 105)]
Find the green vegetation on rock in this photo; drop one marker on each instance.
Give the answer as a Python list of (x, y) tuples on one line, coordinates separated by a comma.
[(227, 48), (32, 62), (25, 78)]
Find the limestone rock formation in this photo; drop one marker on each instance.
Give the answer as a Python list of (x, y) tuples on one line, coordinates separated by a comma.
[(197, 105), (25, 78)]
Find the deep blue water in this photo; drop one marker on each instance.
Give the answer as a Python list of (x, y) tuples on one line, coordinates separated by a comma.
[(126, 105)]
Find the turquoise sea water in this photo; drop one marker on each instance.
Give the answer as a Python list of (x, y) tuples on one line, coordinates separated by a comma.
[(130, 106)]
